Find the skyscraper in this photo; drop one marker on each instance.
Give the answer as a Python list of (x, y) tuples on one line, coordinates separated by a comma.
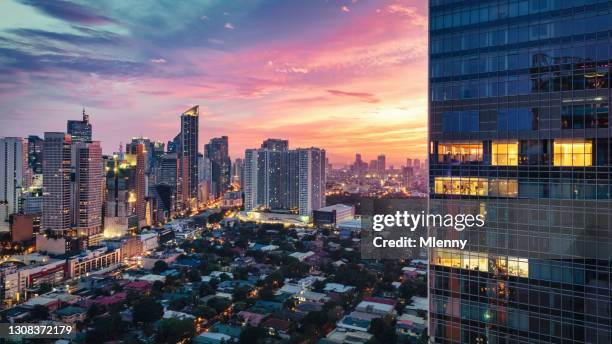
[(381, 164), (80, 130), (35, 144), (13, 166), (87, 194), (519, 119), (188, 156), (275, 144), (140, 183), (56, 181), (217, 151)]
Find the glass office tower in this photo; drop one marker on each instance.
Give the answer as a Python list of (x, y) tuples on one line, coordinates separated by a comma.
[(519, 123)]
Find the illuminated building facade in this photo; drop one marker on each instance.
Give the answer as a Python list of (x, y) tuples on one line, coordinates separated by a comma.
[(519, 112), (188, 156), (87, 194), (56, 213)]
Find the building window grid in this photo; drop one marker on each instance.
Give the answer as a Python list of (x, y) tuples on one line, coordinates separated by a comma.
[(547, 168)]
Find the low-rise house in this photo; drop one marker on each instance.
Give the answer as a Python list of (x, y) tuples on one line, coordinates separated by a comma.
[(410, 327), (357, 321), (311, 296), (277, 327), (48, 302), (302, 256), (70, 314), (249, 318), (338, 288), (212, 338), (140, 287), (342, 336), (177, 315), (230, 286), (381, 309)]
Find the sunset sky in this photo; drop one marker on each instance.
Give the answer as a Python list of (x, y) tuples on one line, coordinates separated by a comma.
[(347, 76)]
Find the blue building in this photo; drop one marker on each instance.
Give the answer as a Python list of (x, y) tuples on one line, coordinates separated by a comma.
[(519, 94)]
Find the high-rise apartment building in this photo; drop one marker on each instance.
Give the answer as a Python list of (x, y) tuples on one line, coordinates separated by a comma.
[(217, 151), (311, 180), (284, 179), (519, 119), (80, 130), (13, 169), (56, 181), (87, 191), (188, 156)]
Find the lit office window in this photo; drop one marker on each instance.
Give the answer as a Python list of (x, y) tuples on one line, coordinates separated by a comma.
[(503, 187), (504, 153), (469, 186), (573, 153), (459, 152), (518, 267)]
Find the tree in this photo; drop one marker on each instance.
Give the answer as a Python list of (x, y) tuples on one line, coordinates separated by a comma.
[(205, 312), (171, 331), (318, 286), (267, 294), (383, 330), (241, 293), (194, 276), (147, 310), (159, 267), (253, 335), (218, 303), (39, 312), (44, 288), (104, 328), (178, 304)]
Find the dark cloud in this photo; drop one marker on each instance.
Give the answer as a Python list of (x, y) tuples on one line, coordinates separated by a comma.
[(18, 60), (92, 37), (69, 11), (367, 97)]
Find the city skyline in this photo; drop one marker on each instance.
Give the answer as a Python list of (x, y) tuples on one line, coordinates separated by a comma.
[(340, 85)]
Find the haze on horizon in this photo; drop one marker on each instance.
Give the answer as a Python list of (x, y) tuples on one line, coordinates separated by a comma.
[(347, 76)]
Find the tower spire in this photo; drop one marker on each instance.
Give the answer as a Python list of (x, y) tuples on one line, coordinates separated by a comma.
[(85, 116)]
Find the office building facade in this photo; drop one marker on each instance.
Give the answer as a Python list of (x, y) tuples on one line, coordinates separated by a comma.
[(188, 156), (80, 130), (217, 151), (519, 96), (87, 192)]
